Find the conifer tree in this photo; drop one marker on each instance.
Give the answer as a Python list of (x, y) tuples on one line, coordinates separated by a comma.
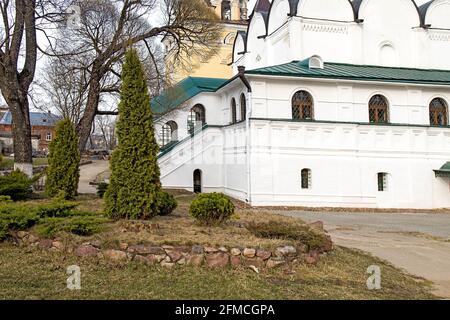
[(135, 176), (63, 170)]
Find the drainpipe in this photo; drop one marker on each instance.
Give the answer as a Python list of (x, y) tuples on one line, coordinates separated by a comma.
[(241, 70)]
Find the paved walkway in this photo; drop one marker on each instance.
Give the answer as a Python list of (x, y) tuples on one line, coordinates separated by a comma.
[(88, 173), (419, 243)]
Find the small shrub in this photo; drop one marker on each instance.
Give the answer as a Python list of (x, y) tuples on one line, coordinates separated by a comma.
[(49, 218), (56, 209), (79, 225), (288, 231), (5, 199), (211, 208), (15, 217), (16, 185), (166, 203), (101, 189)]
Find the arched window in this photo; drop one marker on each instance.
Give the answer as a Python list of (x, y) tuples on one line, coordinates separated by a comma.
[(169, 133), (233, 111), (196, 118), (438, 112), (306, 179), (302, 106), (226, 10), (243, 107), (378, 109)]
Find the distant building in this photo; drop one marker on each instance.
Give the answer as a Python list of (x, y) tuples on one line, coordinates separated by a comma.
[(3, 109), (42, 130), (234, 19)]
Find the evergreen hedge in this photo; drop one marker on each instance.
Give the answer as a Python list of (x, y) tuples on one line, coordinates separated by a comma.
[(134, 183), (63, 170)]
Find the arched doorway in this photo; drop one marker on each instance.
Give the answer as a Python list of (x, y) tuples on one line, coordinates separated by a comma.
[(198, 181)]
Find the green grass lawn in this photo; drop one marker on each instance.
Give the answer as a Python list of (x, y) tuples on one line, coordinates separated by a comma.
[(8, 163), (35, 274)]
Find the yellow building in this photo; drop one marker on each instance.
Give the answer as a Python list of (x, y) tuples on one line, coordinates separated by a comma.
[(233, 15)]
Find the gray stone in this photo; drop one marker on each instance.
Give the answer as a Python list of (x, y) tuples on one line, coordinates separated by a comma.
[(235, 252), (45, 243), (174, 255), (195, 259), (263, 254), (217, 260), (274, 263), (115, 255), (249, 253), (285, 251), (86, 251), (197, 250), (211, 250)]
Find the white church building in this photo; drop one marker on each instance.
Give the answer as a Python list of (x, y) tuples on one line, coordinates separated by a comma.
[(335, 103)]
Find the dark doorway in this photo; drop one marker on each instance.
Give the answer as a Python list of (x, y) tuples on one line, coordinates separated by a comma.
[(198, 181)]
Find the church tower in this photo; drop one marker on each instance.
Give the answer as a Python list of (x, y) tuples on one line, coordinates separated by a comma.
[(233, 16)]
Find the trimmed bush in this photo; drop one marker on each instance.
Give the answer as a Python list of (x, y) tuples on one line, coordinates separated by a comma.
[(16, 185), (49, 218), (288, 231), (134, 183), (63, 170), (80, 225), (16, 217), (101, 189), (166, 203), (56, 209), (211, 208)]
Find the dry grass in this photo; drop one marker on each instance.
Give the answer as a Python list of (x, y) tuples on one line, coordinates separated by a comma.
[(30, 273), (181, 229), (36, 274)]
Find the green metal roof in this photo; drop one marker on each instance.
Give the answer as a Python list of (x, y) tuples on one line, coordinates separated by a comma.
[(356, 72), (183, 91), (444, 171)]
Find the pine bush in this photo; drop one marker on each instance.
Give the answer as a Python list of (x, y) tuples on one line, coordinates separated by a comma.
[(63, 170), (135, 177)]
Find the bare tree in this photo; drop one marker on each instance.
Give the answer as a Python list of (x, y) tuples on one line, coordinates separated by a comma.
[(97, 45), (106, 126), (18, 58)]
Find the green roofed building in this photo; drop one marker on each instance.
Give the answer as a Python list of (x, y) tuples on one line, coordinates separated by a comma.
[(332, 105)]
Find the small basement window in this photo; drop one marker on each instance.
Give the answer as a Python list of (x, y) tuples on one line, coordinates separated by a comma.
[(382, 181), (306, 179)]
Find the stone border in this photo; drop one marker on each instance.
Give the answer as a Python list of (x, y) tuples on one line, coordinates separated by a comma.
[(197, 255)]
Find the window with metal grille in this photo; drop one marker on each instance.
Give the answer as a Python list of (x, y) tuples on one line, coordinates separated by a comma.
[(196, 118), (302, 106), (382, 181), (243, 107), (233, 111), (169, 133), (165, 135), (378, 109), (306, 178), (438, 112)]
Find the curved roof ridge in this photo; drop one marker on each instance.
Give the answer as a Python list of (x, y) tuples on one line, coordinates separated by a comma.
[(357, 5), (423, 9)]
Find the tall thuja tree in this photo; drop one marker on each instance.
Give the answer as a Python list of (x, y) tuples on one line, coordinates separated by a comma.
[(135, 183), (63, 170)]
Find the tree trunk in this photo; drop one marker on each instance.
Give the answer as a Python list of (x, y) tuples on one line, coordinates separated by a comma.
[(21, 130), (84, 127)]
